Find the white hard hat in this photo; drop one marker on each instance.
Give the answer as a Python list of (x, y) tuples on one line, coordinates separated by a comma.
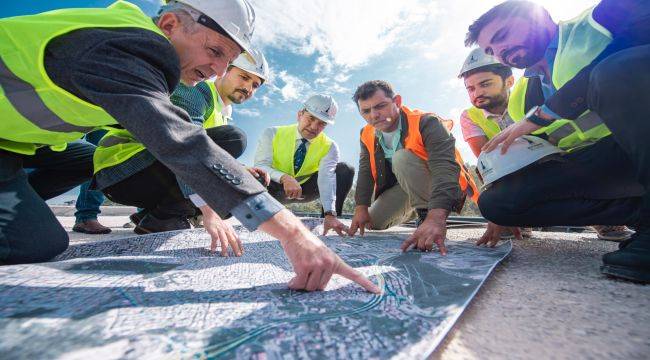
[(522, 152), (476, 59), (259, 68), (323, 107), (235, 17)]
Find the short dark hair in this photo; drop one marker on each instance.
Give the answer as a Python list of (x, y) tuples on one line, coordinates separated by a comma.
[(369, 88), (503, 71), (511, 8)]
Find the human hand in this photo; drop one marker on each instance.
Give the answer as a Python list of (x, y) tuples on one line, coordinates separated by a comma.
[(360, 220), (509, 134), (220, 232), (292, 188), (332, 223), (313, 262), (261, 175), (492, 234), (433, 230)]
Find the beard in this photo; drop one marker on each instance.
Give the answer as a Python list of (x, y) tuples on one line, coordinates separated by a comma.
[(532, 50), (493, 102), (238, 99)]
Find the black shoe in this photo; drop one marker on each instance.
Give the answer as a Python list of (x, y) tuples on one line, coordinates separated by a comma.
[(422, 214), (137, 217), (150, 224), (632, 261)]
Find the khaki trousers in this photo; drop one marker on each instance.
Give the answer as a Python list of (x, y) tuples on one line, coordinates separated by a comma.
[(397, 204)]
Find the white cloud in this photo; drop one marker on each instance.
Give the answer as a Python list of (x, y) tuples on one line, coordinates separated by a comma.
[(343, 32), (248, 112), (294, 88)]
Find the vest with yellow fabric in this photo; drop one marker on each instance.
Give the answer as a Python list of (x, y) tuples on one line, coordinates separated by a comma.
[(580, 41), (489, 127), (284, 148), (413, 142), (35, 111), (118, 145), (215, 118)]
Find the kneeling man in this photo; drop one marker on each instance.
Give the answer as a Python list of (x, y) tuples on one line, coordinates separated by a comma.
[(304, 164), (409, 162)]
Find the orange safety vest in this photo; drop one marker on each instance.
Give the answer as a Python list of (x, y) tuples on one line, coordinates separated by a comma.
[(413, 142)]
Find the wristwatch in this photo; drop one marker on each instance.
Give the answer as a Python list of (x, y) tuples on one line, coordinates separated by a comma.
[(533, 115), (330, 212)]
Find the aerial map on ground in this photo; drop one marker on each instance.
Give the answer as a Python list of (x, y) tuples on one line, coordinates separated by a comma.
[(165, 296)]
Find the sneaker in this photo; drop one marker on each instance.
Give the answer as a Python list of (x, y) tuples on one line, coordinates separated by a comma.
[(129, 225), (422, 214), (632, 262), (613, 233), (90, 227), (151, 224)]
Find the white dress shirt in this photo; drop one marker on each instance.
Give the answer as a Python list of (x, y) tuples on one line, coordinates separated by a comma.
[(326, 168)]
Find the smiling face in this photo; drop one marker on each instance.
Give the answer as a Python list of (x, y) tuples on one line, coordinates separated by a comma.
[(488, 90), (381, 111), (203, 53), (309, 125), (238, 85), (515, 41)]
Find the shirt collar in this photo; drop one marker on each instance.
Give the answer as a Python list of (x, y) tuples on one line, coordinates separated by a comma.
[(489, 114)]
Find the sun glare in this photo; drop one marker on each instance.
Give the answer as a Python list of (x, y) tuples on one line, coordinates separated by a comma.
[(565, 9)]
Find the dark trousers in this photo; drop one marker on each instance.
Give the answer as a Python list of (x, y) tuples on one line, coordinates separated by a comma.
[(29, 231), (344, 179), (606, 183), (156, 190)]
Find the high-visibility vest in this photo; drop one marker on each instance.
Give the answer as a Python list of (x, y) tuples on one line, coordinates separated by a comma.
[(580, 41), (284, 148), (35, 111), (413, 142), (118, 145), (489, 127), (215, 118)]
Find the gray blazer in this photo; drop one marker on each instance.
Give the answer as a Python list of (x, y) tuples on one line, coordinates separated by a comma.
[(131, 73)]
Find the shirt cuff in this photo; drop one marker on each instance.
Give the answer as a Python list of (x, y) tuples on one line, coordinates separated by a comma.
[(197, 200), (256, 210)]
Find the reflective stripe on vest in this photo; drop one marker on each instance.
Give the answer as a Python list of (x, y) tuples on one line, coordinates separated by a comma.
[(118, 145), (413, 142), (284, 147), (489, 127), (35, 111), (215, 118), (580, 41)]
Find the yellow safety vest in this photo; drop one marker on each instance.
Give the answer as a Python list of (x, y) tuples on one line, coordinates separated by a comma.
[(580, 41), (284, 148), (35, 111), (118, 145), (489, 127), (215, 118)]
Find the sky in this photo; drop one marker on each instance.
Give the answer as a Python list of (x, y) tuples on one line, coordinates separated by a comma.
[(332, 46)]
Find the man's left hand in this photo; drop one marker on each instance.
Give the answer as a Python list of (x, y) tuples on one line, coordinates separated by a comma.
[(433, 230), (332, 223), (509, 134), (261, 175)]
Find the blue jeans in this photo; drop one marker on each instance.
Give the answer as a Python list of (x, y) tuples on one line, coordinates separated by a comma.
[(89, 201)]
